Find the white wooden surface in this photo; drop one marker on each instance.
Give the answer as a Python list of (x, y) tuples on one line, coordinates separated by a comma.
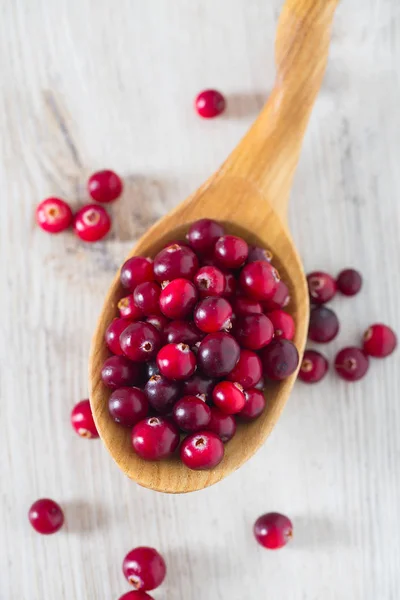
[(89, 84)]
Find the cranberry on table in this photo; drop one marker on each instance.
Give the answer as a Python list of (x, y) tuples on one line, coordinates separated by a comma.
[(198, 385), (254, 405), (128, 309), (259, 280), (254, 331), (323, 326), (203, 235), (349, 282), (82, 420), (176, 361), (178, 298), (191, 414), (202, 450), (279, 359), (314, 367), (128, 406), (213, 314), (223, 425), (146, 296), (230, 286), (46, 516), (144, 568), (246, 306), (351, 363), (321, 287), (230, 251), (283, 324), (210, 104), (113, 331), (54, 215), (257, 253), (136, 270), (248, 370), (209, 281), (105, 186), (229, 397), (136, 595), (379, 341), (184, 332), (162, 393), (140, 341), (218, 354), (280, 299), (118, 371), (155, 438), (273, 530), (174, 262), (92, 223), (158, 321)]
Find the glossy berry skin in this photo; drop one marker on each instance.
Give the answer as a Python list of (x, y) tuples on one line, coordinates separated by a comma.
[(314, 367), (136, 596), (105, 186), (323, 326), (151, 369), (279, 359), (273, 530), (155, 438), (178, 298), (254, 405), (118, 371), (175, 262), (259, 280), (379, 341), (198, 385), (254, 331), (210, 104), (203, 235), (230, 286), (280, 299), (209, 281), (184, 332), (246, 306), (82, 420), (92, 223), (176, 361), (223, 425), (349, 282), (136, 270), (146, 297), (218, 354), (257, 253), (283, 324), (230, 251), (158, 321), (191, 414), (321, 287), (248, 370), (202, 450), (128, 406), (113, 331), (46, 516), (144, 568), (128, 309), (351, 363), (213, 314), (229, 397), (54, 215), (140, 341), (162, 393)]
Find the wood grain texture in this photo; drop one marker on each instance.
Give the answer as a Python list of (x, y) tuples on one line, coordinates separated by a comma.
[(87, 85)]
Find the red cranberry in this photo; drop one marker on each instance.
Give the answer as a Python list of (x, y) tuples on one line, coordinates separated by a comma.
[(229, 397), (280, 299), (283, 324), (203, 235), (46, 516), (351, 364), (223, 425), (198, 385), (176, 361), (218, 354), (136, 596), (314, 367), (379, 341), (191, 414), (321, 287), (155, 438), (82, 420), (254, 331), (128, 406), (209, 104), (140, 342), (254, 406), (162, 393), (174, 262), (105, 186), (324, 325), (257, 253), (128, 309), (146, 297), (213, 314), (136, 270), (113, 331), (158, 321), (230, 285), (349, 282), (202, 450), (248, 370), (54, 215), (259, 280), (231, 251), (118, 372), (184, 332), (144, 568), (209, 281), (92, 223), (273, 530), (178, 298), (246, 306), (279, 359)]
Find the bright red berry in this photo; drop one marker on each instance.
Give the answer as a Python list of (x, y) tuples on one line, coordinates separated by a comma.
[(321, 287), (230, 251), (144, 568), (218, 354), (379, 341), (254, 405), (210, 281), (283, 324), (46, 516), (279, 359), (349, 282), (254, 331), (351, 364), (113, 331), (140, 341), (209, 104), (203, 235), (229, 397), (128, 309), (273, 530), (105, 186), (54, 215), (136, 270), (213, 314), (92, 223), (202, 450), (175, 262), (82, 420), (146, 297), (248, 370), (178, 298), (155, 438), (118, 371), (259, 280), (314, 367), (128, 406), (323, 326), (223, 425), (176, 361), (191, 414)]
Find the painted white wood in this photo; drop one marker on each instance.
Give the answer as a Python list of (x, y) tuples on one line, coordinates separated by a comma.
[(88, 84)]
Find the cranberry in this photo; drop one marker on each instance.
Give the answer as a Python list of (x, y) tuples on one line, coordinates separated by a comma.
[(254, 331), (92, 223), (257, 253), (202, 450), (351, 364), (231, 251), (54, 215), (203, 235), (230, 285), (191, 414), (229, 397), (46, 516), (175, 262), (162, 393), (118, 371), (280, 299), (321, 287), (279, 359), (273, 530), (105, 186), (82, 420), (155, 438), (283, 324), (379, 341), (198, 385), (128, 406), (218, 354), (248, 370), (223, 425), (136, 270), (158, 321), (209, 281), (151, 369), (184, 332), (136, 596), (349, 282), (176, 361), (213, 314), (113, 331), (144, 568), (146, 296), (246, 306), (140, 341), (254, 406), (314, 367), (210, 103), (259, 280), (128, 309), (178, 298), (324, 325)]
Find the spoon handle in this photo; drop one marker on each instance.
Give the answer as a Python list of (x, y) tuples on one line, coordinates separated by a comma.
[(268, 154)]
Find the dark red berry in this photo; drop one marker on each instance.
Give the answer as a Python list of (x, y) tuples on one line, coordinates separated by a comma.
[(323, 326), (259, 280), (178, 298), (349, 282), (213, 314), (128, 309), (280, 299), (54, 215), (209, 104), (184, 332), (92, 223), (257, 253), (46, 516), (136, 596), (218, 354), (203, 235), (176, 361), (351, 364), (113, 331), (321, 287), (155, 438), (229, 397), (82, 420), (248, 370), (231, 251), (279, 359), (273, 530), (209, 281), (283, 324), (191, 414), (136, 270), (140, 341), (162, 393), (379, 341), (146, 297), (118, 372), (144, 568), (202, 450), (223, 425), (198, 385), (314, 367), (246, 306), (174, 262), (158, 321), (105, 186), (254, 405), (128, 406), (230, 286), (254, 331)]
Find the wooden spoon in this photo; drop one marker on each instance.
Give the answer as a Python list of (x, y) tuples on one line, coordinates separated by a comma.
[(249, 194)]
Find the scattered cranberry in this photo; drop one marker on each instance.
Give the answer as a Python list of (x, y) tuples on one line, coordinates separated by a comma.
[(105, 186), (349, 282), (158, 321), (128, 406), (246, 306), (259, 280), (128, 309), (231, 251), (191, 414), (248, 370), (209, 104), (223, 425), (82, 420), (136, 596), (184, 332), (218, 354), (92, 223), (283, 324), (351, 364), (229, 397), (257, 253), (113, 331), (280, 299), (54, 215), (198, 385), (324, 325), (273, 530), (176, 361), (254, 331), (203, 235), (136, 270), (321, 287), (162, 393), (314, 367), (155, 438), (118, 372), (213, 314), (175, 262), (254, 405), (178, 298), (202, 450), (146, 297), (279, 359), (46, 516), (379, 341), (209, 281), (140, 342), (144, 568), (230, 286)]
